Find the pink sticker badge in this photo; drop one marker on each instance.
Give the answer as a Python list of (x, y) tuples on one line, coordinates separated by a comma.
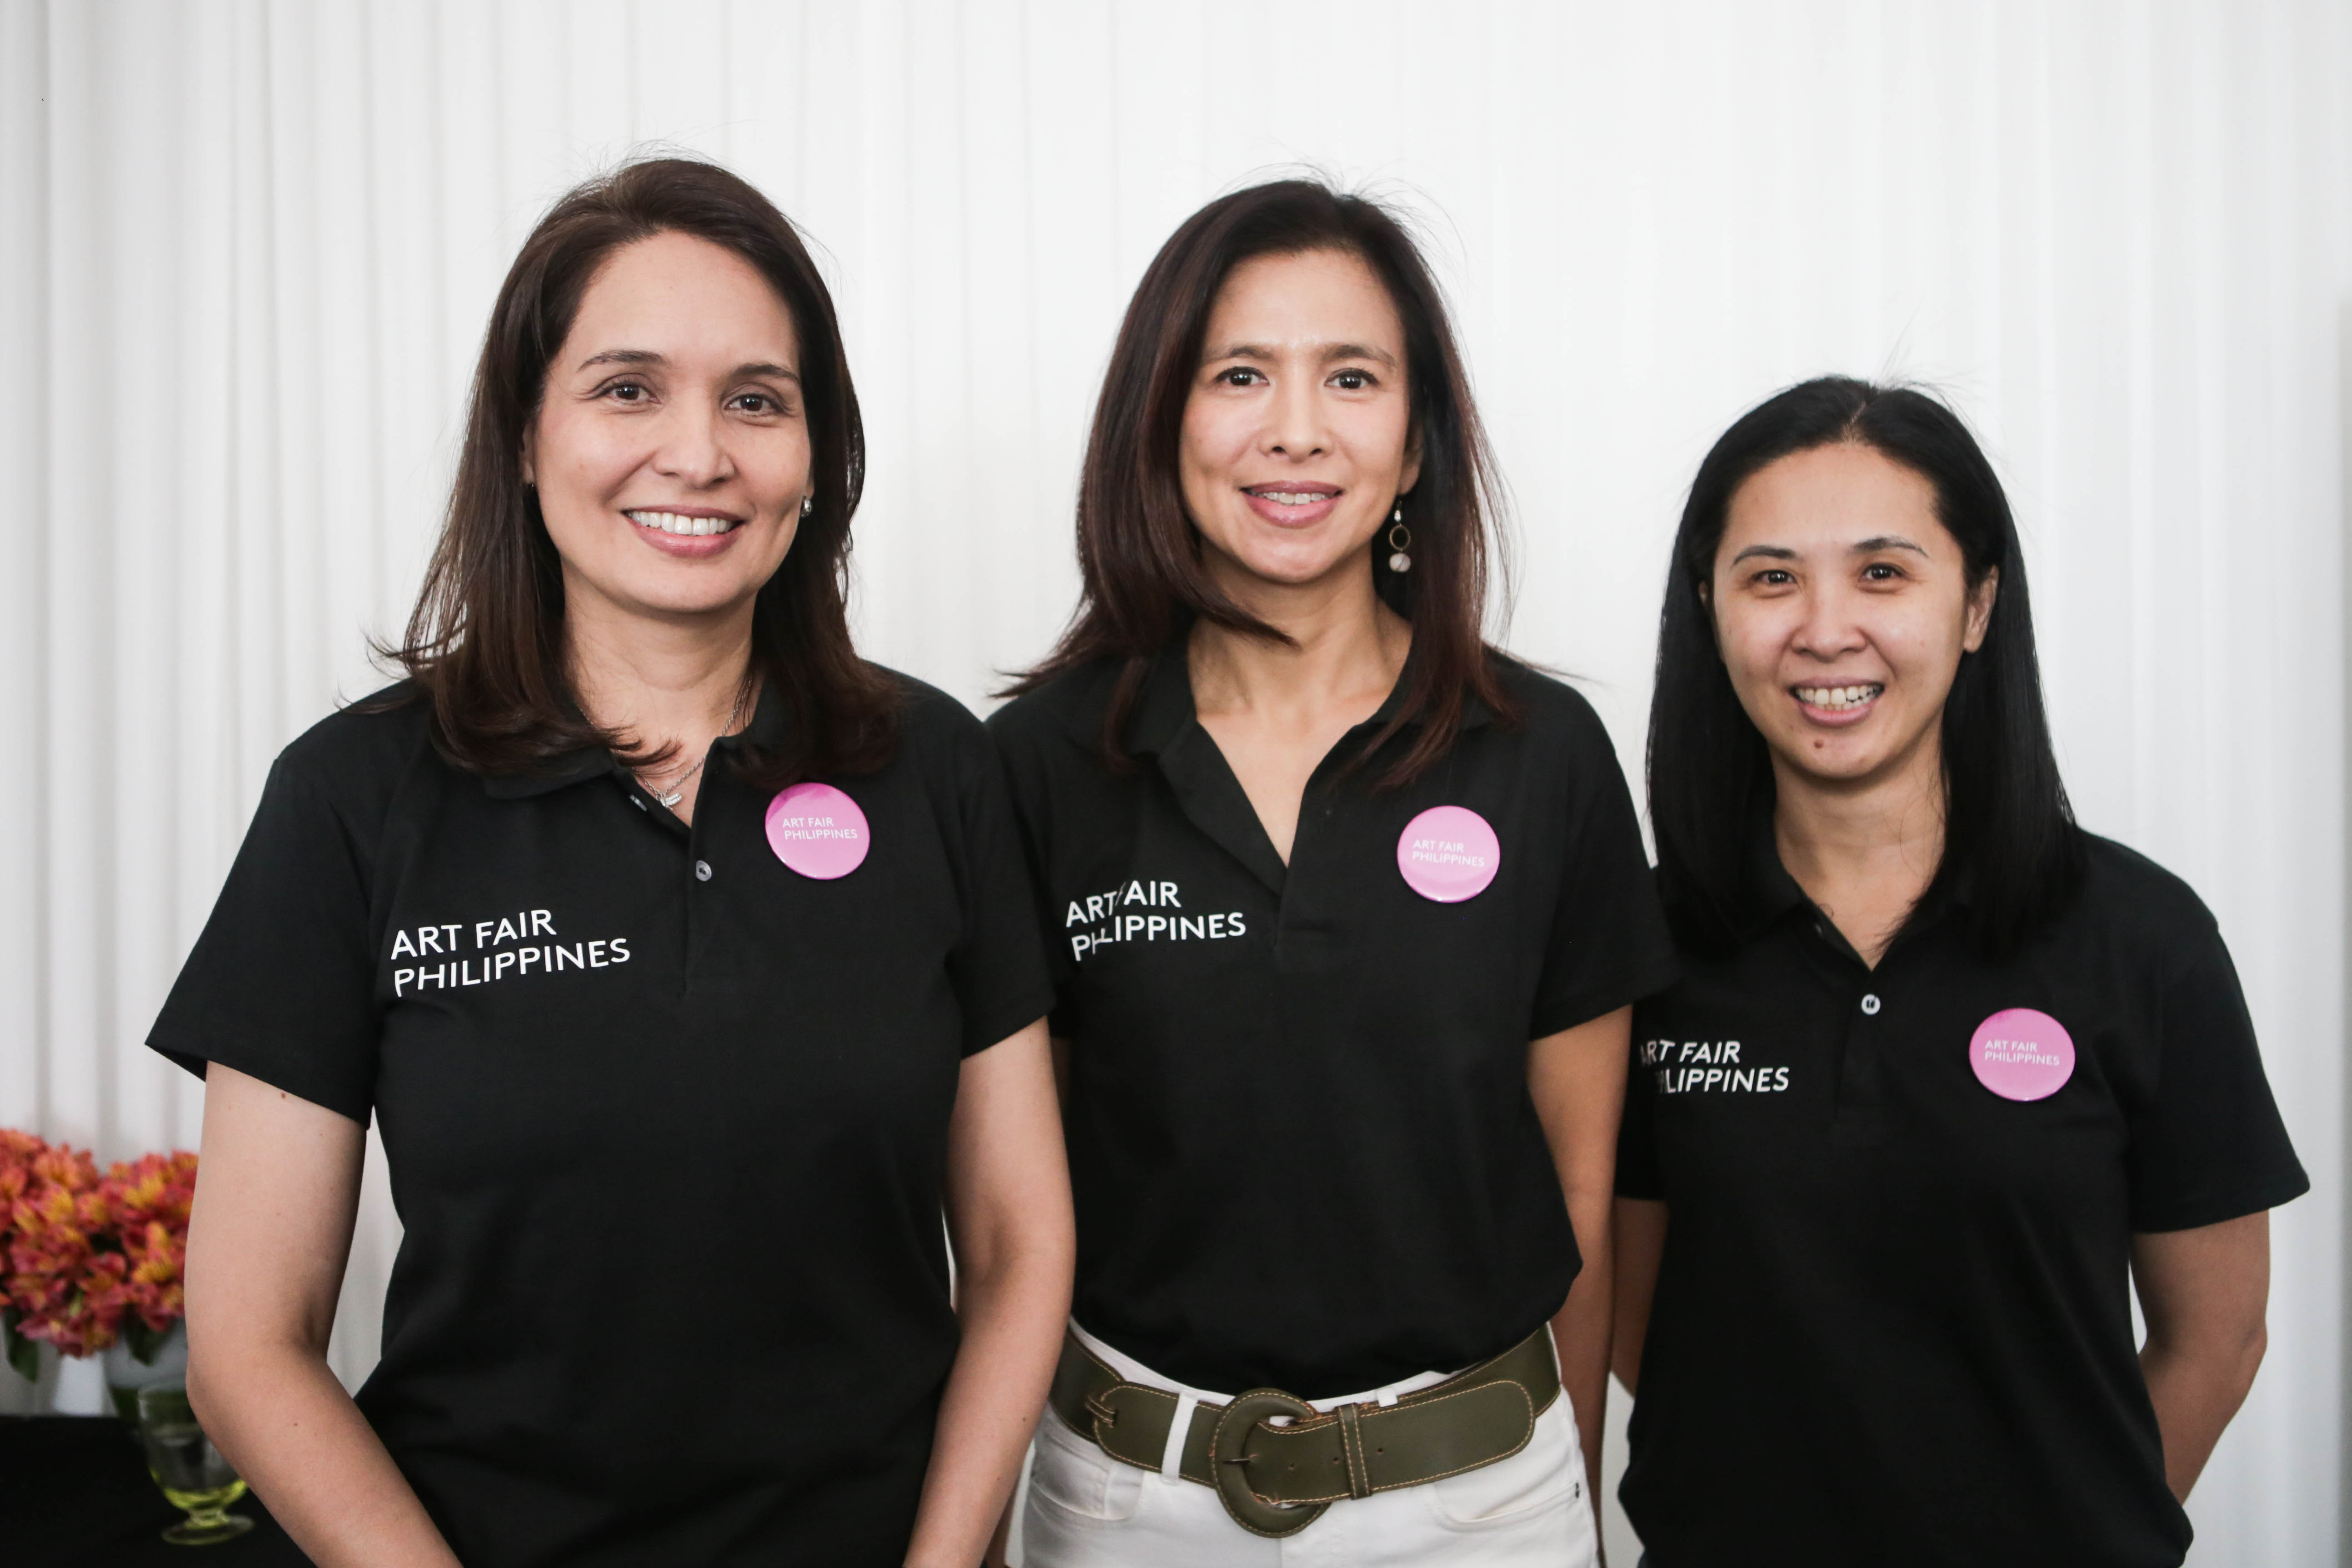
[(2020, 1054), (1449, 854), (817, 831)]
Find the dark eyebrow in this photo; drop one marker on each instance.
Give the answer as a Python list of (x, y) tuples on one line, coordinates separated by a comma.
[(624, 356), (1865, 547), (1328, 353), (648, 357), (1359, 350)]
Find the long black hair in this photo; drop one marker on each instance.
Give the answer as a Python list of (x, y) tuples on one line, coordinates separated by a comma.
[(1144, 584), (2012, 855)]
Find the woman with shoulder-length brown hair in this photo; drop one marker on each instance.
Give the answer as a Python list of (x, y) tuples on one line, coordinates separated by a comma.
[(684, 959), (1346, 910)]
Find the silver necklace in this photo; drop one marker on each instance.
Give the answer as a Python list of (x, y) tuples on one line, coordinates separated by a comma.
[(678, 786)]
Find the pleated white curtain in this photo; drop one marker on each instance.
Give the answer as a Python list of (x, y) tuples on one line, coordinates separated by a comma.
[(246, 250)]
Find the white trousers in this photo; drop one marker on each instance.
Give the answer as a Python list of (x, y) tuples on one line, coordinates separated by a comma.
[(1087, 1510)]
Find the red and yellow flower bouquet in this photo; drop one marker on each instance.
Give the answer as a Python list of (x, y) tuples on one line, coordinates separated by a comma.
[(85, 1259)]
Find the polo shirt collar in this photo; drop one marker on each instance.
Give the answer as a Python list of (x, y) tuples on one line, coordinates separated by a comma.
[(1163, 709), (1165, 726), (1769, 892), (1475, 714), (765, 730), (556, 772)]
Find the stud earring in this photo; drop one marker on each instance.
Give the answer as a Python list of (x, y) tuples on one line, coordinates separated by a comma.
[(1400, 541), (808, 505)]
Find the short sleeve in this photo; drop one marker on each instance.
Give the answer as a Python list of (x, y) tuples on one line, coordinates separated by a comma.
[(1637, 1133), (1609, 943), (281, 984), (999, 968), (2209, 1145), (1023, 776)]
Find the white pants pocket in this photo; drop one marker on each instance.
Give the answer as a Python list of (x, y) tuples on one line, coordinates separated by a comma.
[(1543, 1479), (1073, 1479)]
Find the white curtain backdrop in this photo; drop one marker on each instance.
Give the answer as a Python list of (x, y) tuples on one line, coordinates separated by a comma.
[(246, 251)]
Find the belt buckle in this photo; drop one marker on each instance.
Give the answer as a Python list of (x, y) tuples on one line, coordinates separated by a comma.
[(1229, 1460)]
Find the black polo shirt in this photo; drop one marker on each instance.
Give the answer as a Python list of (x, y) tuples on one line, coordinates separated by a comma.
[(1893, 1323), (1301, 1140), (665, 1121)]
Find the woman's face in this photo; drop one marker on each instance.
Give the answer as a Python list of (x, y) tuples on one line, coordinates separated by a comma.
[(1298, 434), (671, 450), (1841, 608)]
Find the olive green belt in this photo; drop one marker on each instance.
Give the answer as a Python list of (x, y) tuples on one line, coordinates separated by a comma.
[(1276, 1480)]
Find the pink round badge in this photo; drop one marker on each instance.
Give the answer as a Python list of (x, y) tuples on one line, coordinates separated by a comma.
[(2020, 1054), (1449, 854), (817, 831)]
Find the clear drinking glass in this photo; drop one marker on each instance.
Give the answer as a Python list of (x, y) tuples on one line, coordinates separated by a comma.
[(188, 1468)]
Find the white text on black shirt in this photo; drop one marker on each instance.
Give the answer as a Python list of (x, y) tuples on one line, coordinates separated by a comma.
[(1703, 1066), (1142, 912), (503, 946)]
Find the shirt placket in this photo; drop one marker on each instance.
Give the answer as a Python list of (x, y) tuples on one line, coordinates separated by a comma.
[(1212, 799), (697, 868), (1302, 924), (1858, 1110)]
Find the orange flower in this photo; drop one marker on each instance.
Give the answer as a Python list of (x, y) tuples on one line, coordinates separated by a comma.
[(150, 1199), (17, 1152), (79, 1252), (58, 1221)]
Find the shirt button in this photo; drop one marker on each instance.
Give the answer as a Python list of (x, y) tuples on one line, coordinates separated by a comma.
[(702, 874), (1870, 1006)]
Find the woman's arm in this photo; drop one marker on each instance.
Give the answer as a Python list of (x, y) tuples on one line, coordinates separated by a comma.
[(2204, 1292), (1578, 1081), (1641, 1244), (277, 1189), (1008, 1203)]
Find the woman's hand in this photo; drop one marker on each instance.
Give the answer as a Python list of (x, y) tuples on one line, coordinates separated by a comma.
[(2204, 1293), (1008, 1208), (277, 1189)]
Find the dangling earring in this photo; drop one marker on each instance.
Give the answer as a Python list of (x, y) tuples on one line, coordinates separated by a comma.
[(808, 504), (1400, 541)]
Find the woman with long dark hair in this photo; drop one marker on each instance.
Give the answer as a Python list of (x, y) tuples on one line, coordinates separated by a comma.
[(1945, 1075), (1346, 910), (683, 958)]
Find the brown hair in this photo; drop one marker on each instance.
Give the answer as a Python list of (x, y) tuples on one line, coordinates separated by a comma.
[(1144, 584), (485, 643)]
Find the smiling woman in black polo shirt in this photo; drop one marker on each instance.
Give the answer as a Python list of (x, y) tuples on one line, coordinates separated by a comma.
[(686, 962), (1945, 1075), (1346, 910)]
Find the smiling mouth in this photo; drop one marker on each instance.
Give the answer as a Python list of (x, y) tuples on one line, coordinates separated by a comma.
[(679, 524), (1838, 699), (1290, 497)]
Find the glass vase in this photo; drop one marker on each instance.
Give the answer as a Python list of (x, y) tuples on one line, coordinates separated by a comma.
[(165, 1365)]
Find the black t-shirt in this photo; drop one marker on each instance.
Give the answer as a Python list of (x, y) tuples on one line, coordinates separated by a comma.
[(1302, 1148), (1892, 1322), (665, 1121)]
